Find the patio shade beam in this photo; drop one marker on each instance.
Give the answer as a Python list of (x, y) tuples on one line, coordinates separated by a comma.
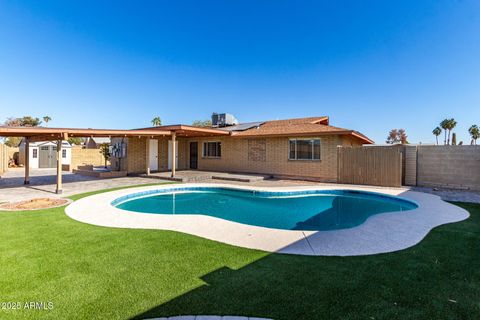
[(190, 131), (56, 133)]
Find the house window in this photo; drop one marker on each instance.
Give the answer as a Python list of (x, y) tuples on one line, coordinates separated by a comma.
[(34, 153), (64, 153), (212, 149), (304, 149)]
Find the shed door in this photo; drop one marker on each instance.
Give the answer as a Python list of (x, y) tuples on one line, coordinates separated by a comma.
[(47, 157)]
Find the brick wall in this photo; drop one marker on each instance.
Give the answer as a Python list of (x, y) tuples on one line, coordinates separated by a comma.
[(82, 157), (135, 162), (7, 153), (449, 166), (270, 156), (262, 155), (136, 155)]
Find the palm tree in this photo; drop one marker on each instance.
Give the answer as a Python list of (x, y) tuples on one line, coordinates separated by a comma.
[(436, 132), (451, 125), (475, 133), (47, 119), (444, 126), (156, 121)]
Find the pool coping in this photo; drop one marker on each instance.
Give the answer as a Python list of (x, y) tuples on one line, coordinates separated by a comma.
[(380, 233)]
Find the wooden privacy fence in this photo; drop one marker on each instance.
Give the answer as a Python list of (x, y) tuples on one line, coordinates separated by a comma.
[(378, 166)]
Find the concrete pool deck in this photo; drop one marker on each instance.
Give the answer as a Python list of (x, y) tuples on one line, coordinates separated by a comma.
[(380, 233), (42, 184)]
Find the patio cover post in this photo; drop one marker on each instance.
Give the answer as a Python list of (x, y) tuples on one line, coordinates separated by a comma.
[(59, 167), (147, 157), (174, 152), (27, 161)]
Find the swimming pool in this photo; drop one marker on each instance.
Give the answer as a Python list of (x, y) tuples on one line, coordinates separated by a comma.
[(297, 210)]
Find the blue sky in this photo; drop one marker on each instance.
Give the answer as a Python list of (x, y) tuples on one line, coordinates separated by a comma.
[(369, 65)]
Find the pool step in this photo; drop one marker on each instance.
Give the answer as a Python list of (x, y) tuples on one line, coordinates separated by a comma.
[(199, 176), (240, 177)]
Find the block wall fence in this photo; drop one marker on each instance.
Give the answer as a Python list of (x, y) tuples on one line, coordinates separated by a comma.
[(453, 167), (83, 157), (3, 158)]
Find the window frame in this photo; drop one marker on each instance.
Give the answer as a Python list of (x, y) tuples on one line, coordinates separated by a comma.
[(34, 153), (218, 150), (312, 140), (64, 153)]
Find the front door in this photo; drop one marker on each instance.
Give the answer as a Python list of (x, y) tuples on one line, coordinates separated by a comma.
[(153, 164), (47, 157), (170, 154), (193, 155)]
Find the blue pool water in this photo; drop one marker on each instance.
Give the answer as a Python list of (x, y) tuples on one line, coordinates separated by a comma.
[(310, 210)]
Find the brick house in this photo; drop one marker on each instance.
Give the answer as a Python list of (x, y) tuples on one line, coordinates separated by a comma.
[(304, 148)]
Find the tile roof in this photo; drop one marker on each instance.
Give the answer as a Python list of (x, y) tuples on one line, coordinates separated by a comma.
[(308, 120), (299, 127)]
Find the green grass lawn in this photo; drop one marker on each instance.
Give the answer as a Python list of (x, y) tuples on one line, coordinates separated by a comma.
[(91, 272)]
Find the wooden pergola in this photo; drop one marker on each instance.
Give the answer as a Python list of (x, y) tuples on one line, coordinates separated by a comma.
[(35, 134)]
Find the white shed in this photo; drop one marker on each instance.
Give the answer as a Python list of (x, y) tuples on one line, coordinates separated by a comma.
[(44, 154)]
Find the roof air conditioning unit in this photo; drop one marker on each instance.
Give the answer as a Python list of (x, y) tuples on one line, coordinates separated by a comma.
[(220, 120)]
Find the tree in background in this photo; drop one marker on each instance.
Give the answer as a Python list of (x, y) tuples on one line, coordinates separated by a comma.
[(397, 136), (26, 121), (454, 139), (46, 119), (202, 123), (105, 151), (451, 124), (13, 122), (392, 136), (75, 141), (156, 122), (444, 125), (474, 133), (436, 132), (402, 136)]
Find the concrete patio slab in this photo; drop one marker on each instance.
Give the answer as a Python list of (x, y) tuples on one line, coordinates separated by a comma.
[(380, 233), (43, 184)]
